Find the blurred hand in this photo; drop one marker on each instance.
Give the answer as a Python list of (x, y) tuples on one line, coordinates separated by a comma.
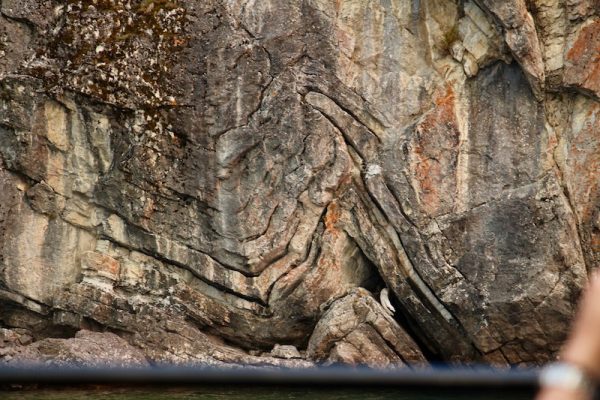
[(582, 349), (561, 394), (583, 346)]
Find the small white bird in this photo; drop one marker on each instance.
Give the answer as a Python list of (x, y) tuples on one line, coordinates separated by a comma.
[(384, 299)]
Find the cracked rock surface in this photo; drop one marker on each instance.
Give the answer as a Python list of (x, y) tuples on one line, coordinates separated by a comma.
[(228, 182)]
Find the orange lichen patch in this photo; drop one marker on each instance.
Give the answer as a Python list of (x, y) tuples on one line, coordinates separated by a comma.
[(435, 154), (581, 46), (445, 100), (428, 173), (442, 113), (179, 41), (331, 218), (593, 80), (101, 264), (582, 67)]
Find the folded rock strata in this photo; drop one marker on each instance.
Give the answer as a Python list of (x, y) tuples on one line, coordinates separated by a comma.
[(355, 330), (232, 182)]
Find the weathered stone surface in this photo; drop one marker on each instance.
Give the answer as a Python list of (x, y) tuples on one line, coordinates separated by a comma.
[(285, 351), (227, 182), (578, 155), (582, 59), (86, 349), (550, 280), (521, 37), (357, 330)]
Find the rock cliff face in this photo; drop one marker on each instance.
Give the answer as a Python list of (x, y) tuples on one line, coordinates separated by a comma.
[(215, 181)]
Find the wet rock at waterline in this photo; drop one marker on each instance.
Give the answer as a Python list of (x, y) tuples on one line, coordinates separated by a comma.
[(236, 182)]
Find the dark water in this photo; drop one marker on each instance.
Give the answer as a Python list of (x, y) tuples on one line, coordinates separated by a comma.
[(260, 394)]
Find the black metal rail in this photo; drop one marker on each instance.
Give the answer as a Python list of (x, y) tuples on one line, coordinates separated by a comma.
[(440, 377)]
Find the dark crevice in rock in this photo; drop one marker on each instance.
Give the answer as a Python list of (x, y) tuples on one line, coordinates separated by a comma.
[(345, 136), (408, 219), (18, 316), (20, 300), (348, 111), (413, 276), (312, 254), (422, 290), (375, 283), (404, 319), (402, 316), (246, 239), (24, 21), (578, 228), (250, 117)]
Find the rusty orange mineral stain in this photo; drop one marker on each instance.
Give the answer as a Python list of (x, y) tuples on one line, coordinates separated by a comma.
[(447, 100), (595, 243), (103, 263), (435, 151), (178, 41), (110, 265), (583, 68), (331, 218), (338, 5), (581, 46)]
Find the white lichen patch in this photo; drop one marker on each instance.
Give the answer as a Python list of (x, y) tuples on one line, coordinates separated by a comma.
[(372, 170)]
